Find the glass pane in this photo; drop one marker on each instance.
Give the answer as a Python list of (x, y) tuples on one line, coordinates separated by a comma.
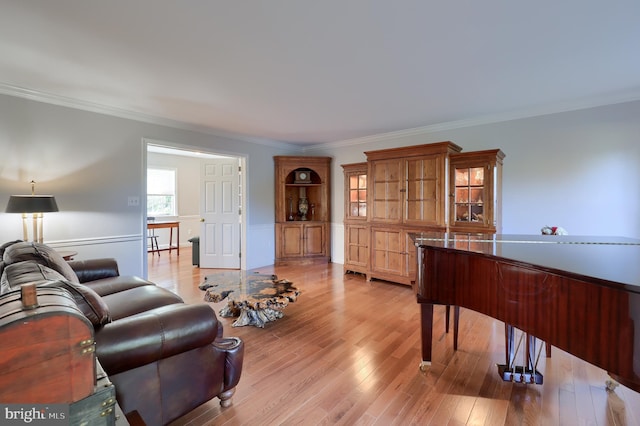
[(462, 195), (476, 195), (363, 209), (462, 212), (353, 208), (353, 182), (353, 195), (160, 205), (477, 213), (462, 177), (477, 176), (362, 181), (362, 195)]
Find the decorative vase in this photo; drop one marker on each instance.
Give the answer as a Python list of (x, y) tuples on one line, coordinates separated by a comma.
[(303, 208)]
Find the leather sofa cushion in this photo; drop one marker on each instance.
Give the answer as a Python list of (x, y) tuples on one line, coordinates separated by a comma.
[(106, 286), (135, 300), (3, 247), (88, 301), (40, 253)]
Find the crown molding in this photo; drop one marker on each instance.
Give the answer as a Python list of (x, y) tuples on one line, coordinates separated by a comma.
[(587, 103), (83, 105)]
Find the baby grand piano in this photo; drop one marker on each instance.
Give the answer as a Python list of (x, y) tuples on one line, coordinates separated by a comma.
[(580, 294)]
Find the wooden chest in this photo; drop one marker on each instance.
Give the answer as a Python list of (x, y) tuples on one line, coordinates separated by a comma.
[(99, 408), (47, 347)]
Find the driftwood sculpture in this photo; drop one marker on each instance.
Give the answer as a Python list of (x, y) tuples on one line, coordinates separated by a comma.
[(255, 299)]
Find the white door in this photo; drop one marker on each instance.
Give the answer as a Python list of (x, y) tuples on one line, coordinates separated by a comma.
[(219, 213)]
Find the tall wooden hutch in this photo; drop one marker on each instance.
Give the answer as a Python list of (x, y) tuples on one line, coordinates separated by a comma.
[(356, 229), (430, 187), (303, 209), (407, 194)]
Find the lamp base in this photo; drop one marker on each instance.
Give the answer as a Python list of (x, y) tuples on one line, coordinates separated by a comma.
[(37, 219)]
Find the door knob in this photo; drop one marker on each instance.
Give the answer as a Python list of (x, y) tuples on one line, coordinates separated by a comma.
[(201, 219)]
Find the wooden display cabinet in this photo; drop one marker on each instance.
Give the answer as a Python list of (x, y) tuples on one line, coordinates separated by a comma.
[(407, 194), (302, 197), (356, 230), (414, 189), (475, 191)]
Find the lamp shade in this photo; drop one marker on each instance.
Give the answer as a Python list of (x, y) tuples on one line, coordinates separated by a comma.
[(31, 204)]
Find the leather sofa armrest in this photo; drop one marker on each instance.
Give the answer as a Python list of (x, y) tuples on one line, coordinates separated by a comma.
[(234, 348), (154, 335), (94, 269)]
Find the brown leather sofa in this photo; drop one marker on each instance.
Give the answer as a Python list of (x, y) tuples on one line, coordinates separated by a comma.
[(164, 357)]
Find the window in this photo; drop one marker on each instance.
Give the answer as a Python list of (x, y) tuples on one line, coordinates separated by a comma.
[(161, 192)]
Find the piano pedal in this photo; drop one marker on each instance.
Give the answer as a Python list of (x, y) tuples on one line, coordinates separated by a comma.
[(519, 374), (424, 365)]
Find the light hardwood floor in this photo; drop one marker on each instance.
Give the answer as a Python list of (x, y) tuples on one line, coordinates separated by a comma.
[(347, 352)]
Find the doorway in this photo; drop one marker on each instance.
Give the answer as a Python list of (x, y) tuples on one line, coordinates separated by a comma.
[(201, 200)]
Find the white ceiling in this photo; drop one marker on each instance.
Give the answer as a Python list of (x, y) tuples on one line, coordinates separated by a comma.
[(317, 71)]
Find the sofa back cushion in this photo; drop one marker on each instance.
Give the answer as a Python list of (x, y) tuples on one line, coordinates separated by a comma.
[(39, 253), (88, 301), (3, 247)]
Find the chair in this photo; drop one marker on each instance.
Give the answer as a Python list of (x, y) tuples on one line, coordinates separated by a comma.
[(153, 238)]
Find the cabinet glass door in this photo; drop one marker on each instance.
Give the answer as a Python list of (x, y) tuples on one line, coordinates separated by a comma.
[(469, 193), (358, 195)]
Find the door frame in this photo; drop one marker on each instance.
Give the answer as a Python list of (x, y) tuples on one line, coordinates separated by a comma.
[(200, 152)]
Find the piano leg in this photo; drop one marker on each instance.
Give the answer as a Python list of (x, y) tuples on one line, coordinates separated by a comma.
[(456, 326), (426, 323), (446, 318), (456, 323)]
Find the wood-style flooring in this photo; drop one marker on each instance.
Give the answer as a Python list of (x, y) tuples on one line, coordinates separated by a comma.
[(347, 352)]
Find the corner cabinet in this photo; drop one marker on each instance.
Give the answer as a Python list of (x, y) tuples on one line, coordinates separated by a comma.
[(356, 230), (475, 191), (302, 197)]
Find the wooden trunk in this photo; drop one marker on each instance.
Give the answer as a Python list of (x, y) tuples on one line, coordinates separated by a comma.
[(99, 408), (48, 351)]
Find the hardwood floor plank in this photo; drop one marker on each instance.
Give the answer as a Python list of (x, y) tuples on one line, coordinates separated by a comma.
[(347, 352)]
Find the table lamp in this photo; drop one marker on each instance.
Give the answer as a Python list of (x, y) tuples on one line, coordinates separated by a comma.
[(34, 204)]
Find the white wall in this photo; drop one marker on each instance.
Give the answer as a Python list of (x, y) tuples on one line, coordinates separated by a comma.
[(579, 170), (93, 163)]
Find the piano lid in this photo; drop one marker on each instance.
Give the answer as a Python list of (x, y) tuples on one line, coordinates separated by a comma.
[(615, 259)]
